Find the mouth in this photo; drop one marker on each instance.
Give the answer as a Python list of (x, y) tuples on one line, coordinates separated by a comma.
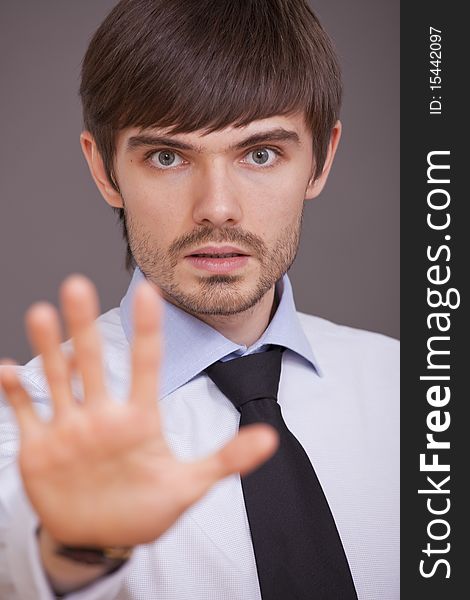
[(219, 252), (229, 255), (218, 260)]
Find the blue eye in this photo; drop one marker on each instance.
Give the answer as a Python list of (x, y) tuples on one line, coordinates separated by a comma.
[(262, 157), (165, 159)]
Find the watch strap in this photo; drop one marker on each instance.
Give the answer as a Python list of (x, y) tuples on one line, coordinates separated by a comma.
[(110, 556)]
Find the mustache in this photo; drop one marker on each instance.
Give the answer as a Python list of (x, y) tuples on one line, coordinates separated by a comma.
[(207, 235)]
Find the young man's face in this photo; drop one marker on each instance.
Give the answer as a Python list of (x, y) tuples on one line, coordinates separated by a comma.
[(190, 198)]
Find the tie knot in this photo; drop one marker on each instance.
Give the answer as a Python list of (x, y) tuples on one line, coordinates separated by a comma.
[(250, 377)]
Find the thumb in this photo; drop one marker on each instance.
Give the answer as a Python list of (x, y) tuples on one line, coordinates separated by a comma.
[(253, 445)]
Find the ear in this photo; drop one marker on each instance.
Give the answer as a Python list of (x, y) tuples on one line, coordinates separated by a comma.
[(315, 186), (97, 170)]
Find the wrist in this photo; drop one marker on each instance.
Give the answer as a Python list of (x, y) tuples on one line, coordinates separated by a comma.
[(65, 575), (109, 558)]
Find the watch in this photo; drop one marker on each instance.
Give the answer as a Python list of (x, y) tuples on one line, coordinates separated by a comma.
[(111, 557)]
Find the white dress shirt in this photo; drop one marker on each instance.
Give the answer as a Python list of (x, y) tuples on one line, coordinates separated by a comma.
[(339, 396)]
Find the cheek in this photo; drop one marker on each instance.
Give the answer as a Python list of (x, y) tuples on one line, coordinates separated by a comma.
[(290, 197), (279, 207), (154, 210)]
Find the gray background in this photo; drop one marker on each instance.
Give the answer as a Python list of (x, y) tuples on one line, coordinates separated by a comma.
[(53, 221)]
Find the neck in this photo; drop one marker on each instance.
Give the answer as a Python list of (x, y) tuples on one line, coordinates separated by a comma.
[(246, 327)]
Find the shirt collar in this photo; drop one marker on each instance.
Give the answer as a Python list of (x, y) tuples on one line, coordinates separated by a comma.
[(190, 345)]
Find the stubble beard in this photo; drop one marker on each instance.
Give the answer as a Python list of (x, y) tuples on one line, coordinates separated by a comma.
[(221, 295)]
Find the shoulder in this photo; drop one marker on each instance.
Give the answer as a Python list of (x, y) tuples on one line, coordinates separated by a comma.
[(333, 343), (114, 343), (326, 330)]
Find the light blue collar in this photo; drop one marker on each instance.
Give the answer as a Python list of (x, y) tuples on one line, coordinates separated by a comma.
[(190, 345)]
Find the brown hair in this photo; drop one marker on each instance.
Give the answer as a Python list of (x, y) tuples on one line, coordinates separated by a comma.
[(188, 65)]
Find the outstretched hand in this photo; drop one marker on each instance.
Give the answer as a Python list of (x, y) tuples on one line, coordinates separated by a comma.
[(100, 473)]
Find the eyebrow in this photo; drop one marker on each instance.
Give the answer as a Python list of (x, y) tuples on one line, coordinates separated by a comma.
[(278, 134)]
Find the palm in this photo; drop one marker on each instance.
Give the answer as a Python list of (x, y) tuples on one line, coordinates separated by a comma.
[(101, 473), (97, 463)]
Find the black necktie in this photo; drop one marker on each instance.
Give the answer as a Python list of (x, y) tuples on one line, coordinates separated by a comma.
[(298, 551)]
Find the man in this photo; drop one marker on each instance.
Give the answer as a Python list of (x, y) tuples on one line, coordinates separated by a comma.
[(207, 126)]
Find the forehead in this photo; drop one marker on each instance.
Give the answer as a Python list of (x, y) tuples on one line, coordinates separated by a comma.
[(230, 136)]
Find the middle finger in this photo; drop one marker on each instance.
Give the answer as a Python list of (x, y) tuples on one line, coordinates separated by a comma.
[(80, 307)]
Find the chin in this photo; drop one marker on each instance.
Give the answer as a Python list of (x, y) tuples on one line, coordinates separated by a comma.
[(219, 295)]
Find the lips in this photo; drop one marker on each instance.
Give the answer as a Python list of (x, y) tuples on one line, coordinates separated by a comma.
[(202, 255), (218, 259), (218, 252)]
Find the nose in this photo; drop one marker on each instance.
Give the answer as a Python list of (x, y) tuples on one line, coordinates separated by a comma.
[(216, 198)]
